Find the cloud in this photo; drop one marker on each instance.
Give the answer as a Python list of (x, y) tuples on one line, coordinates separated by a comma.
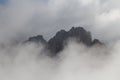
[(23, 18), (76, 61), (20, 19)]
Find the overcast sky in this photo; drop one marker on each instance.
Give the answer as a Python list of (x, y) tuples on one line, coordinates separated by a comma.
[(20, 19)]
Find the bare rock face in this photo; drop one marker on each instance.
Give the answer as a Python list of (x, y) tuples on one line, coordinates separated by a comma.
[(96, 41), (37, 39), (56, 44)]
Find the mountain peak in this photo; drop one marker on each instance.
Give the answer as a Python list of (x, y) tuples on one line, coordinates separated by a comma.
[(56, 43), (37, 39)]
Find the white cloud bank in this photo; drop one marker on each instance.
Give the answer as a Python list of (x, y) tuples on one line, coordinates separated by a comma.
[(76, 62), (20, 19), (23, 18)]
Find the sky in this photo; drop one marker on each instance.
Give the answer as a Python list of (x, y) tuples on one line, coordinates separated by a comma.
[(3, 1), (20, 19)]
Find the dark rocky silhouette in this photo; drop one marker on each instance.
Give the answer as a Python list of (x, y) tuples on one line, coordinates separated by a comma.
[(37, 39), (56, 44), (96, 41)]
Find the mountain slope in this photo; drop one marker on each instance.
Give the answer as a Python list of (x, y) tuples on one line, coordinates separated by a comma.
[(56, 43)]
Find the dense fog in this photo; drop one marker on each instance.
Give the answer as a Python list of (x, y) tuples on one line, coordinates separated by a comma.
[(20, 19)]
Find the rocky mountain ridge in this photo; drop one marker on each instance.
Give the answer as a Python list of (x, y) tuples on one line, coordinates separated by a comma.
[(56, 43)]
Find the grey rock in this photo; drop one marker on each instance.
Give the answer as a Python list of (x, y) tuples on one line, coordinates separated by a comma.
[(57, 43)]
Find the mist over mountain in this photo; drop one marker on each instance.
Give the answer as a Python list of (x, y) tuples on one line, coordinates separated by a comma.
[(38, 43), (57, 43)]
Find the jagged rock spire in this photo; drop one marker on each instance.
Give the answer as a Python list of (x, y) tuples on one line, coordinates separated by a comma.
[(56, 43)]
